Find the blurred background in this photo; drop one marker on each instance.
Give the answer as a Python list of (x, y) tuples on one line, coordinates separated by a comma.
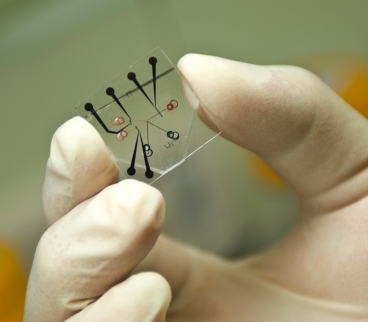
[(53, 54)]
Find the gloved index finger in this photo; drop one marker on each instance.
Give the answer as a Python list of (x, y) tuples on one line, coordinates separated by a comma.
[(79, 167)]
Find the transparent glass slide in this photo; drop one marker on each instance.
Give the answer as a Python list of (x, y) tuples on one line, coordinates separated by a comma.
[(148, 117)]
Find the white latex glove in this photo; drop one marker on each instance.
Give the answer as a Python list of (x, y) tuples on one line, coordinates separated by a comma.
[(101, 230)]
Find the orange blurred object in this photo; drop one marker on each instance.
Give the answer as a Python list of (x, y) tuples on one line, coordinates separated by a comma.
[(12, 286), (356, 90), (347, 74)]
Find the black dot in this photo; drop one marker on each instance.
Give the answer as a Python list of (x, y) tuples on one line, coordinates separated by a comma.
[(170, 134), (131, 76), (131, 171), (88, 107), (152, 60), (110, 91), (149, 174)]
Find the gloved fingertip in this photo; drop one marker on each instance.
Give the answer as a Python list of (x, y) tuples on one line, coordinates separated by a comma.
[(67, 140), (79, 166), (142, 206)]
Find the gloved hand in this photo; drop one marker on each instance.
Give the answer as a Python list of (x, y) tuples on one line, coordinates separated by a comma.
[(102, 231)]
